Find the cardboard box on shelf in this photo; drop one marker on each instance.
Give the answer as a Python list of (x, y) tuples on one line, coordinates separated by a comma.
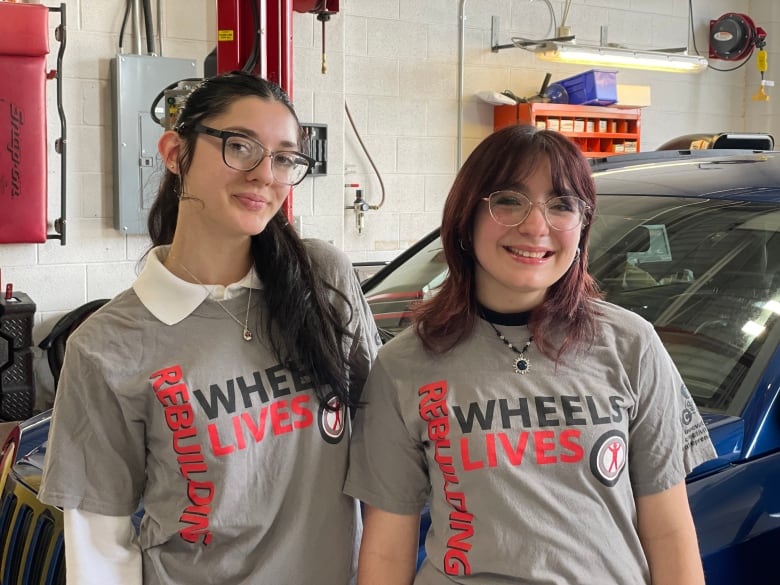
[(633, 96)]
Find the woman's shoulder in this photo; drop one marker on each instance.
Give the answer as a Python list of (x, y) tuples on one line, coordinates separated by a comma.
[(326, 255), (406, 345), (117, 317), (621, 319)]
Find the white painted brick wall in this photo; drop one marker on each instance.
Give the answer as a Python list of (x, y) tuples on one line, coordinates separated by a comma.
[(395, 62)]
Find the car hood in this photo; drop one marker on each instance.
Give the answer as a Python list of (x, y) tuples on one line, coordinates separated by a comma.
[(728, 436)]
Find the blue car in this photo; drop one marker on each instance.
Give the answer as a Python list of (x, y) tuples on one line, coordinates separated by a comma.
[(690, 240)]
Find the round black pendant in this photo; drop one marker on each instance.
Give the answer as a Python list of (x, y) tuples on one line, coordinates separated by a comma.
[(522, 365)]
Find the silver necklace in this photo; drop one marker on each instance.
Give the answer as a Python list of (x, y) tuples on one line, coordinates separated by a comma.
[(521, 362), (245, 325)]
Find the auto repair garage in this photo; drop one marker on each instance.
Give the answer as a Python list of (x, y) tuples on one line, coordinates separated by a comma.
[(392, 97)]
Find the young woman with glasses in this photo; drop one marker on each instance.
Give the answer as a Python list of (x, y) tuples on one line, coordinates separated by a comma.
[(549, 430), (216, 391)]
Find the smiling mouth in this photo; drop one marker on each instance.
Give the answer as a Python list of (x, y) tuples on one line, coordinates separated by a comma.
[(252, 198), (527, 254)]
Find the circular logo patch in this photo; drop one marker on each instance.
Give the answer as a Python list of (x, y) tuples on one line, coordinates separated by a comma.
[(608, 457), (332, 420)]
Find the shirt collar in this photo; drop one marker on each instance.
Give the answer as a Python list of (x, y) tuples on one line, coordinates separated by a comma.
[(171, 299)]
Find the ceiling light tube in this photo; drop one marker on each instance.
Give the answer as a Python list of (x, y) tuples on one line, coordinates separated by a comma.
[(619, 57)]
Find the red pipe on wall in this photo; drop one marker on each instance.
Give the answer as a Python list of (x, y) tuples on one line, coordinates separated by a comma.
[(236, 35)]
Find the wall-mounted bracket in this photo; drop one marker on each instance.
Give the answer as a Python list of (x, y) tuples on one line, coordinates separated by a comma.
[(315, 144), (519, 42)]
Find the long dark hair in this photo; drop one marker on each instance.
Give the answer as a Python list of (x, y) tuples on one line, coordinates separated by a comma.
[(507, 156), (305, 328)]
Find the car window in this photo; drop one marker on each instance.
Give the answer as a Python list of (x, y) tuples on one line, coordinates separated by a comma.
[(392, 299), (704, 272)]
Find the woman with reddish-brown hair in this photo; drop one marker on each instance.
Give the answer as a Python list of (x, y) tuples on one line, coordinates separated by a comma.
[(543, 425)]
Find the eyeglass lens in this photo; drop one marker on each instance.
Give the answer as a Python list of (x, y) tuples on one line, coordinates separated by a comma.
[(510, 208), (243, 154)]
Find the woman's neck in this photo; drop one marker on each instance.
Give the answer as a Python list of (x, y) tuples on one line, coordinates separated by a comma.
[(501, 318), (209, 264)]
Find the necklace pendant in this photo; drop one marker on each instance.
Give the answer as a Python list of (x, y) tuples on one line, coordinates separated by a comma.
[(247, 334), (522, 365)]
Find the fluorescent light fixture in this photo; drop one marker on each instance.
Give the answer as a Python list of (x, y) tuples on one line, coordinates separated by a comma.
[(619, 57)]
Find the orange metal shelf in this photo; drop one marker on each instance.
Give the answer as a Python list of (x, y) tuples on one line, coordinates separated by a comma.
[(597, 130)]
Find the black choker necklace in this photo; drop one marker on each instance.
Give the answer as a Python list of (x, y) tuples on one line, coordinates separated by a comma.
[(521, 362)]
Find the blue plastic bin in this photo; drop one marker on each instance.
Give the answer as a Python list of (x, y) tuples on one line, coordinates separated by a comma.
[(596, 87)]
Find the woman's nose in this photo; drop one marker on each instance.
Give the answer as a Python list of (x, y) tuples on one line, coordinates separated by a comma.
[(536, 220), (263, 171)]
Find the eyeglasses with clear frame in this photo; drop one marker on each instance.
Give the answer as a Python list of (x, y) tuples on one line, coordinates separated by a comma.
[(243, 153), (511, 208)]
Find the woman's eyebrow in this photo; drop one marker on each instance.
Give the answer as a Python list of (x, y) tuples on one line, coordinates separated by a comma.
[(253, 135), (521, 187)]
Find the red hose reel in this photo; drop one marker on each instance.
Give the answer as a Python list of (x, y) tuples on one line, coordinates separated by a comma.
[(733, 37)]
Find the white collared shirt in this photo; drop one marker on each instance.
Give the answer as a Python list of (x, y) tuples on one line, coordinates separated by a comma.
[(171, 299)]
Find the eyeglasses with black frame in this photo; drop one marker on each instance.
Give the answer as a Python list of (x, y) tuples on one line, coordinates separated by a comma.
[(511, 208), (243, 153)]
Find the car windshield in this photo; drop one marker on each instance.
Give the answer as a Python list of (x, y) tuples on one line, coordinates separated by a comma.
[(705, 272)]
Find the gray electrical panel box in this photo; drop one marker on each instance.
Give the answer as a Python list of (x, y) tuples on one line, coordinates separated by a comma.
[(137, 81)]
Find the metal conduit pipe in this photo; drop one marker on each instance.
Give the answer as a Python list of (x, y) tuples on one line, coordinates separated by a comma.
[(137, 27), (159, 27), (461, 67)]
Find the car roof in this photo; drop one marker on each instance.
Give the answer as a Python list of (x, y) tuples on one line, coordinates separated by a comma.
[(712, 174)]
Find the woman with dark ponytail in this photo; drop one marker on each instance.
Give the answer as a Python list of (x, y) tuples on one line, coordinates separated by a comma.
[(217, 390)]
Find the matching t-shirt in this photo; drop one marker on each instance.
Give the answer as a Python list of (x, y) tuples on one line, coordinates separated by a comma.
[(239, 468), (531, 477)]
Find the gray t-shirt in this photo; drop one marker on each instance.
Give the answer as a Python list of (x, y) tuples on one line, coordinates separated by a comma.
[(239, 468), (531, 478)]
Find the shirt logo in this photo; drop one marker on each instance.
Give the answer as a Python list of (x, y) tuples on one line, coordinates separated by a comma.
[(608, 457), (332, 420)]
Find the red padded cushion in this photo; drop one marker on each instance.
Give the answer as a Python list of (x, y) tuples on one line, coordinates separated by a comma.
[(24, 43)]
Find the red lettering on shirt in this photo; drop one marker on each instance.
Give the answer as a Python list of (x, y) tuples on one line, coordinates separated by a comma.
[(303, 416), (279, 418), (173, 395), (548, 447), (169, 375), (514, 454), (468, 463), (544, 442), (433, 410), (573, 451)]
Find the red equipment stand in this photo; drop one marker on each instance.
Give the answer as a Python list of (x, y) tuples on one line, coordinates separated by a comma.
[(236, 36)]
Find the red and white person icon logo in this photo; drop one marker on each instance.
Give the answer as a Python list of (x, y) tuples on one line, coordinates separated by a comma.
[(608, 457), (332, 420)]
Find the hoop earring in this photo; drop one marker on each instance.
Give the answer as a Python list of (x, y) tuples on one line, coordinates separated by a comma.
[(462, 247)]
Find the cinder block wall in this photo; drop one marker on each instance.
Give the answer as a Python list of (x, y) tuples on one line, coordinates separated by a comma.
[(395, 64)]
